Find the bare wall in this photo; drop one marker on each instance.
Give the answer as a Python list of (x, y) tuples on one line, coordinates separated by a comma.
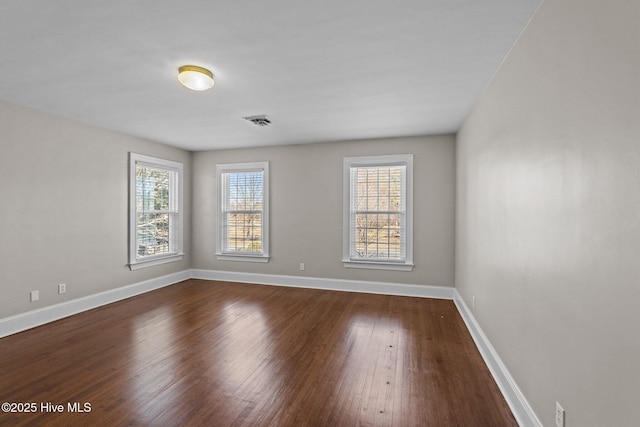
[(306, 208), (64, 214), (548, 219)]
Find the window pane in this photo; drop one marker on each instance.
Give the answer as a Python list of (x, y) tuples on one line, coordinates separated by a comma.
[(244, 232), (152, 188), (152, 234), (153, 231), (155, 209), (243, 211), (379, 207)]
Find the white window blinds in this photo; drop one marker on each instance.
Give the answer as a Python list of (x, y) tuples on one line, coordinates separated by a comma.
[(377, 213), (243, 213), (156, 211)]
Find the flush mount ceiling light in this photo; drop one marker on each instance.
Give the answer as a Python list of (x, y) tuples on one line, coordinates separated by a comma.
[(195, 78)]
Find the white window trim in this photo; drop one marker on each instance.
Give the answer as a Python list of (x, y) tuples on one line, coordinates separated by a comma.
[(237, 256), (136, 263), (387, 160)]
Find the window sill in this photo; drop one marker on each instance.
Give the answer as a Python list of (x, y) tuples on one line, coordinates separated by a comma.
[(245, 258), (376, 265), (155, 261)]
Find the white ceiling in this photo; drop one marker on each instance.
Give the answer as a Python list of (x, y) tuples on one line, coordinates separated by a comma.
[(321, 71)]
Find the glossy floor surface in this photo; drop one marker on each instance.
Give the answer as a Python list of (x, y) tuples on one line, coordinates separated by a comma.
[(225, 354)]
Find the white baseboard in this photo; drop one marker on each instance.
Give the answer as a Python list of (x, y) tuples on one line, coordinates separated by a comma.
[(31, 319), (439, 292), (515, 399), (517, 402), (521, 409)]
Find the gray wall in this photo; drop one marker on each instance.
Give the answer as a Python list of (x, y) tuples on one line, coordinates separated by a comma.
[(64, 215), (306, 208), (548, 219), (64, 209)]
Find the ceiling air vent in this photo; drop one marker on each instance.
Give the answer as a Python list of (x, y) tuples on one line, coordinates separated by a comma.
[(259, 120)]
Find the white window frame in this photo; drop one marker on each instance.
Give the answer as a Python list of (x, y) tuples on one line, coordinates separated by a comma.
[(226, 255), (176, 203), (348, 210)]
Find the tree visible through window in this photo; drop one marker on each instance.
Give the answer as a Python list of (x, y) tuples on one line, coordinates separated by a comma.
[(156, 217), (378, 220), (379, 212), (243, 211), (152, 210)]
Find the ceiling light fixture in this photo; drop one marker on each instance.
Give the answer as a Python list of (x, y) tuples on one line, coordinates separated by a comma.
[(195, 78)]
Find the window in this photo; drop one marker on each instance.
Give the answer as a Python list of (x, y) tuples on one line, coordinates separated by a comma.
[(378, 212), (155, 209), (243, 212)]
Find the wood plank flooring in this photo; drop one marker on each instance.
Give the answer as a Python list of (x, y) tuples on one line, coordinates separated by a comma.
[(227, 354)]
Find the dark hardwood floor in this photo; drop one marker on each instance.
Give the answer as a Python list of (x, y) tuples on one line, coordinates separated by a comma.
[(226, 354)]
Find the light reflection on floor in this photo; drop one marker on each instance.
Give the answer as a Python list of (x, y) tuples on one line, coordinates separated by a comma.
[(155, 368), (248, 345), (378, 344)]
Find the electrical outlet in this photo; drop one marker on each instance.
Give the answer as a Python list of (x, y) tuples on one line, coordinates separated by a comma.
[(473, 301), (302, 266), (559, 415), (62, 288), (35, 296)]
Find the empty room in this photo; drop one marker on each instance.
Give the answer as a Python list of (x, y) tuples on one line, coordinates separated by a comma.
[(356, 213)]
